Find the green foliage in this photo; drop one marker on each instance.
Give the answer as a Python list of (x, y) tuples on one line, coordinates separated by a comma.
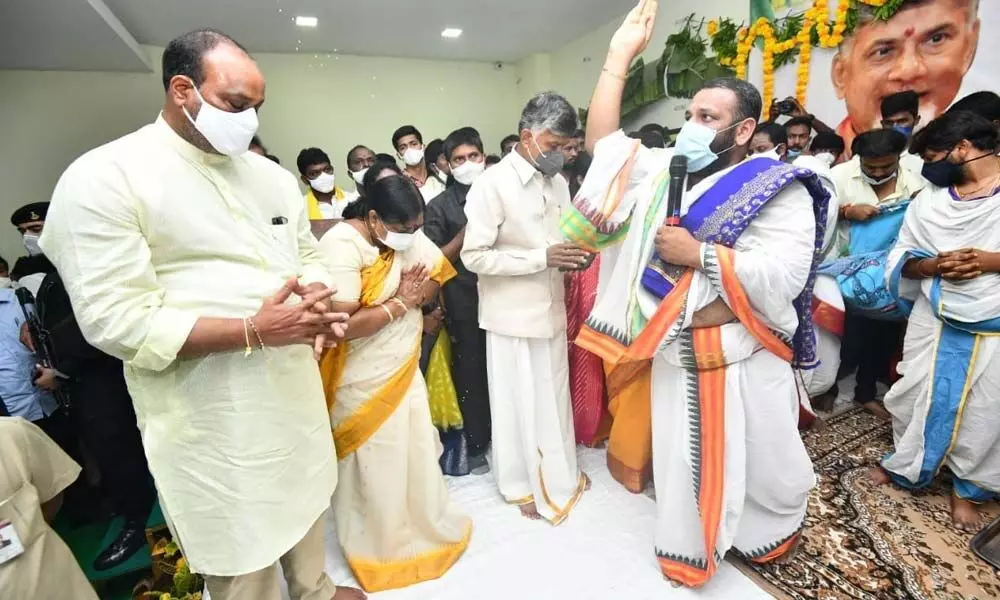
[(724, 42)]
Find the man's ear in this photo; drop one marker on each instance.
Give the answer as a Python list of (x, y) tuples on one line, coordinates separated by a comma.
[(838, 74)]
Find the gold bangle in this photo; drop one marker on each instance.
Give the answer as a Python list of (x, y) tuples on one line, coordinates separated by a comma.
[(246, 336), (401, 304), (618, 76), (388, 312), (253, 326)]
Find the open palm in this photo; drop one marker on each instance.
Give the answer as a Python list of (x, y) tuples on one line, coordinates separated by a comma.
[(634, 34)]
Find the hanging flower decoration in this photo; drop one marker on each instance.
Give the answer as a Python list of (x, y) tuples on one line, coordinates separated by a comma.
[(790, 39)]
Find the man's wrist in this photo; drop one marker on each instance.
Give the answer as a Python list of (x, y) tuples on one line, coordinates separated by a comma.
[(618, 62), (989, 262)]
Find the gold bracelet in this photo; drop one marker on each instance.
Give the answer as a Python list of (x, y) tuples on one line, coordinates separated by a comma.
[(256, 333), (401, 304), (618, 76), (246, 336), (388, 312)]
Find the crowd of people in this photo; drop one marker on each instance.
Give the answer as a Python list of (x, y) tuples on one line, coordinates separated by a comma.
[(689, 296)]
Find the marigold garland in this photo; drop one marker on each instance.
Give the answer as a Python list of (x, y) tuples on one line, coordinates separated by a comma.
[(816, 29)]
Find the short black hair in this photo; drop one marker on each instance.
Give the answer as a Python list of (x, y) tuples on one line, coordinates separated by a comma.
[(510, 139), (183, 54), (273, 158), (309, 157), (434, 149), (404, 131), (795, 121), (651, 127), (984, 104), (652, 139), (945, 132), (828, 141), (383, 157), (776, 133), (462, 137), (748, 100), (878, 143), (351, 152), (395, 199), (901, 102), (492, 159), (255, 141), (3, 264)]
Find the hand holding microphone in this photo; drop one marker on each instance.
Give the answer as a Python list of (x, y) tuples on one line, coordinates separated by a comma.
[(674, 244)]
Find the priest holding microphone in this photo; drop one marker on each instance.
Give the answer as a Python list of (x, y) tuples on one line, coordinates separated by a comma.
[(708, 262)]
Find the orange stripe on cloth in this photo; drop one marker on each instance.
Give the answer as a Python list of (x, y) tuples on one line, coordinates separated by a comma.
[(780, 550), (378, 576), (828, 317), (712, 399), (443, 271), (630, 443), (740, 306)]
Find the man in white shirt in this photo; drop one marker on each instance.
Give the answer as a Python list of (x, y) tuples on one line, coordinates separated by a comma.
[(901, 112), (181, 253), (409, 145), (325, 199), (513, 243)]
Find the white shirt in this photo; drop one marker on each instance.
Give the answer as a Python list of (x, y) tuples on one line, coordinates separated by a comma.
[(149, 233), (514, 214), (432, 188)]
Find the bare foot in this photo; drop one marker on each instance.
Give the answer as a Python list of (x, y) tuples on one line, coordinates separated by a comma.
[(673, 584), (529, 511), (878, 476), (347, 593), (965, 516), (878, 410)]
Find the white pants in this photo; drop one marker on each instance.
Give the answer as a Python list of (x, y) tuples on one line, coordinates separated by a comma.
[(534, 448)]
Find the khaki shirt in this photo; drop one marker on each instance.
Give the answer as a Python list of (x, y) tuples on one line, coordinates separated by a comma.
[(34, 470), (513, 214)]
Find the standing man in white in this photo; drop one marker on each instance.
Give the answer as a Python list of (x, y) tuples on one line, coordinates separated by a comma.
[(192, 260), (512, 241)]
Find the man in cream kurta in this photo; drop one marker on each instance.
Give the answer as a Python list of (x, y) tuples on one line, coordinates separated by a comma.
[(167, 246), (512, 241)]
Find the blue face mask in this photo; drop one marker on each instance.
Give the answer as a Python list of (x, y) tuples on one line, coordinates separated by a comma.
[(792, 154), (694, 142), (907, 131)]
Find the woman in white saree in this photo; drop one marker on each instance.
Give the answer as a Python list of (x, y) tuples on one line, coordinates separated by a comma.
[(945, 268), (393, 515)]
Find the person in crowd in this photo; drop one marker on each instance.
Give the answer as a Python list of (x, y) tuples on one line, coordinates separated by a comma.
[(769, 139), (273, 159), (18, 371), (436, 161), (507, 145), (391, 504), (649, 138), (324, 198), (492, 160), (359, 160), (181, 251), (728, 288), (512, 243), (444, 224), (870, 184), (572, 151), (945, 268), (984, 104), (34, 471), (409, 145), (579, 172), (387, 158), (30, 270), (926, 46), (257, 146), (901, 112), (4, 273), (798, 131), (828, 148)]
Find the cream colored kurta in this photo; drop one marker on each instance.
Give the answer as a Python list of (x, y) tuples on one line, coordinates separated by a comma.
[(149, 234)]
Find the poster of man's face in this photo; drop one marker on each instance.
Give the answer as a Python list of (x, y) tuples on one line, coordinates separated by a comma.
[(932, 47), (928, 47)]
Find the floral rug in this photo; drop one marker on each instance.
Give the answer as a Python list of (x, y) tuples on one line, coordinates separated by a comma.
[(878, 543)]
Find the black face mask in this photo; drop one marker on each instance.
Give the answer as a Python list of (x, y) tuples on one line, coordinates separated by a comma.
[(945, 174)]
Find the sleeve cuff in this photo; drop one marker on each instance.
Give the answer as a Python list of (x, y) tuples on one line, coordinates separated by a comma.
[(168, 331), (540, 259)]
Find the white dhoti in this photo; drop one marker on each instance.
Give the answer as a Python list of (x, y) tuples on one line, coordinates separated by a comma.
[(534, 448)]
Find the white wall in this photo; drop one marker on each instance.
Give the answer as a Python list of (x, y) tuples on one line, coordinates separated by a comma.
[(47, 119)]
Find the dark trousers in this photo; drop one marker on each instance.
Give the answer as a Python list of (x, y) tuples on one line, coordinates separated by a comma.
[(468, 370), (869, 344), (104, 416)]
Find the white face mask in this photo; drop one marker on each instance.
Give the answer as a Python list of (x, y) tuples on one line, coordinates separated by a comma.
[(5, 283), (468, 171), (400, 242), (826, 158), (413, 156), (30, 241), (359, 176), (323, 183), (229, 133)]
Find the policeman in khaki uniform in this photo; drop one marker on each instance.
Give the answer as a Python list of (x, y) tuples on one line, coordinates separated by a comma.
[(34, 562)]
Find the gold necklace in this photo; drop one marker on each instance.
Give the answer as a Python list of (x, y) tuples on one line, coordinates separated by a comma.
[(991, 185)]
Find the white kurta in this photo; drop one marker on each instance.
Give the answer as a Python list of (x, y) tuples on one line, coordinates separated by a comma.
[(937, 222), (149, 234)]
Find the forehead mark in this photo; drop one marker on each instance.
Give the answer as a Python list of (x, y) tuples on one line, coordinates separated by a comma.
[(909, 31)]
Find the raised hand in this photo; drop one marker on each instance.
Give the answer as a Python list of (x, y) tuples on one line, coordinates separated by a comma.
[(634, 34)]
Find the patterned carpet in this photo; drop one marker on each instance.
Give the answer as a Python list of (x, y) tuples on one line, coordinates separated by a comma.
[(882, 543)]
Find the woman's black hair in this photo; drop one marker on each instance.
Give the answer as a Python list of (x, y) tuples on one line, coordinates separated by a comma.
[(395, 199), (945, 132)]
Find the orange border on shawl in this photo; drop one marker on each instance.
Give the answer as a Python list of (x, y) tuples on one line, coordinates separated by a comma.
[(378, 576), (828, 317), (780, 550)]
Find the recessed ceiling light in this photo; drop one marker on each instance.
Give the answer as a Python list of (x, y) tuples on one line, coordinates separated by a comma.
[(451, 32), (306, 21)]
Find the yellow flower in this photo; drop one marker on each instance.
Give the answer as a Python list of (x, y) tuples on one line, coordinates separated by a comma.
[(712, 28)]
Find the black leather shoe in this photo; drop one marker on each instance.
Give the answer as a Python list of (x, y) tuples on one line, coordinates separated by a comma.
[(131, 539)]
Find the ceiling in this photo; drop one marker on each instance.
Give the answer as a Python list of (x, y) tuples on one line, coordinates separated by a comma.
[(93, 35)]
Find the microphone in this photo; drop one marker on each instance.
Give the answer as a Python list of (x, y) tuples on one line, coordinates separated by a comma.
[(678, 172)]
